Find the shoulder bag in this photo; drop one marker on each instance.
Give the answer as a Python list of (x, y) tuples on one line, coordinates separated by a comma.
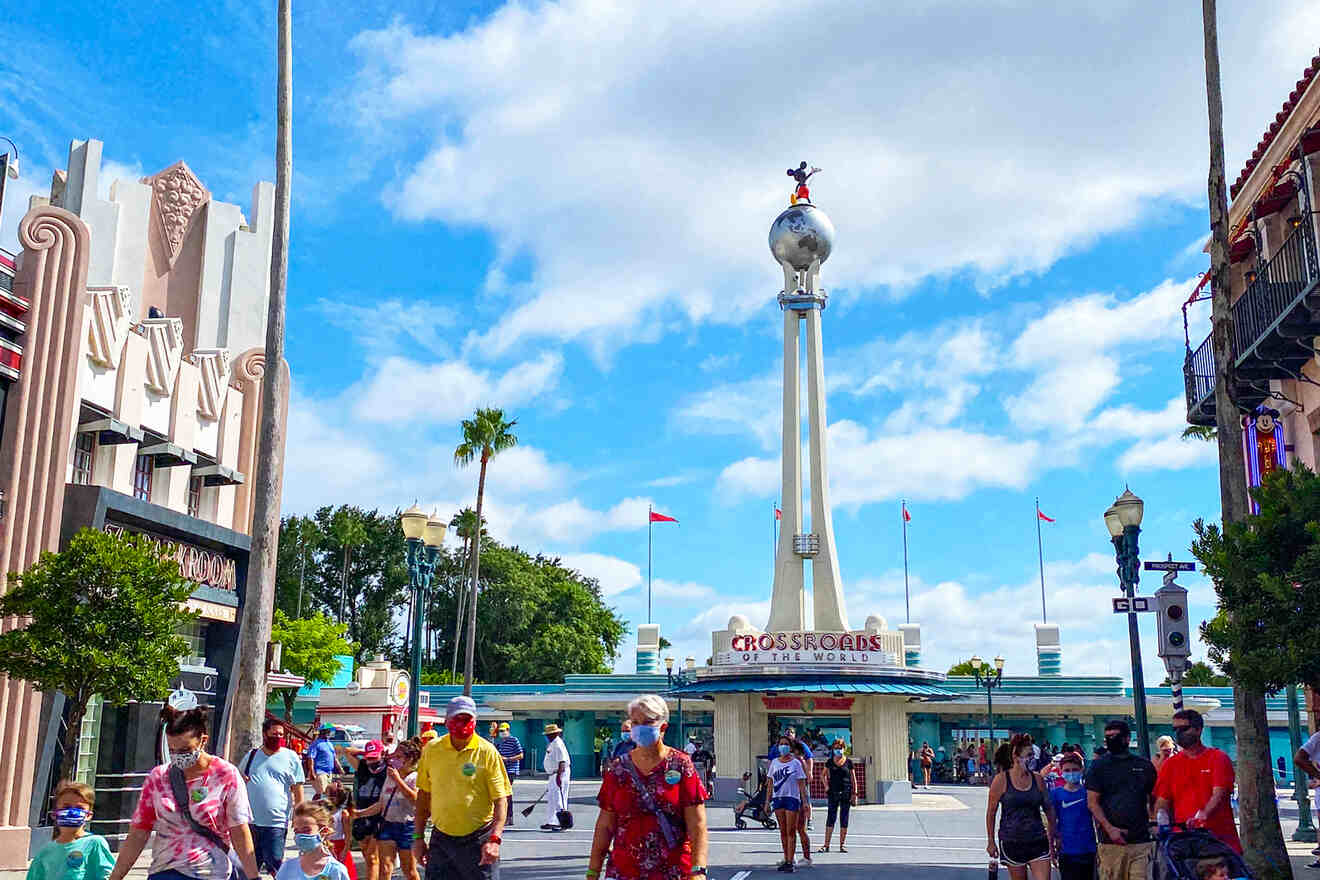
[(179, 788), (370, 826), (647, 798)]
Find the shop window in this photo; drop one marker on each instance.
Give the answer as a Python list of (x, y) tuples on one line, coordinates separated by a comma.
[(142, 478), (84, 450), (194, 496)]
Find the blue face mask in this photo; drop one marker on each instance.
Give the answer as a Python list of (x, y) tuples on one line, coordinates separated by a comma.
[(838, 753), (71, 817), (783, 750), (1072, 777), (645, 735), (307, 842)]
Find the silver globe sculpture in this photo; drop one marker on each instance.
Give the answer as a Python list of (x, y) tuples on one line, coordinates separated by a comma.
[(800, 235)]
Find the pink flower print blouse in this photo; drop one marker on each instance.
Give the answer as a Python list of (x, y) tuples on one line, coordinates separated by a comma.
[(218, 800)]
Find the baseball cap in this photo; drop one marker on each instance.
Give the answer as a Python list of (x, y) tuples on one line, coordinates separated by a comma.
[(504, 725), (326, 725), (460, 705), (373, 749)]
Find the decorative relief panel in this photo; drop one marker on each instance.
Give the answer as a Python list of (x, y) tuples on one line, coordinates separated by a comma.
[(177, 198), (112, 316), (214, 365), (164, 353)]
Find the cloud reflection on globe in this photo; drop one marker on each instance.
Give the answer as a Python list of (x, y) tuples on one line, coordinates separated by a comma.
[(800, 235)]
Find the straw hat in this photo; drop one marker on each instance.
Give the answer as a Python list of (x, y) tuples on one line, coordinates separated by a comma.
[(552, 728)]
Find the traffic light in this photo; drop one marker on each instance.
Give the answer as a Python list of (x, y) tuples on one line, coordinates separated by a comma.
[(1172, 623)]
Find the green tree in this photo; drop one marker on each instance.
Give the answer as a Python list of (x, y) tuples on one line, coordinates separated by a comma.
[(308, 648), (552, 621), (300, 542), (963, 668), (1266, 573), (103, 617), (485, 435), (347, 527), (1200, 674), (464, 524)]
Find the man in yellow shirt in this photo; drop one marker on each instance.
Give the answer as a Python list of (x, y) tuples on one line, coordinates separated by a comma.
[(462, 788)]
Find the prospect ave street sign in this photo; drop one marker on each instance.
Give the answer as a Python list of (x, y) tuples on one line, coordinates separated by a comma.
[(1170, 565), (1132, 605)]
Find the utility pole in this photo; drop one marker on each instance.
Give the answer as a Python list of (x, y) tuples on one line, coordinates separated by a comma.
[(248, 688), (1259, 812)]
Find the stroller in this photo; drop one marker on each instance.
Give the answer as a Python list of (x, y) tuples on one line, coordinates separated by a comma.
[(1177, 855), (753, 805)]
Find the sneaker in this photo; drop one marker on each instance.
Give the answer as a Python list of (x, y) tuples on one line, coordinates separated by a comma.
[(1316, 851), (789, 869), (548, 827), (784, 866), (1315, 864)]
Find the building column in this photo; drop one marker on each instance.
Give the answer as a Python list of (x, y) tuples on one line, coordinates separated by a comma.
[(888, 721), (788, 595), (735, 744), (580, 737), (831, 615)]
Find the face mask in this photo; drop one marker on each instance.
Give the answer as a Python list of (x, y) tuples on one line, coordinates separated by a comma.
[(461, 726), (1116, 745), (307, 842), (645, 735), (838, 753), (272, 742), (783, 750), (185, 760), (1188, 737), (1072, 777), (396, 763), (71, 817)]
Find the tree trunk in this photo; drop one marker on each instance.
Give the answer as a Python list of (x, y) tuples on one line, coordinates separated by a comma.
[(1262, 836), (1228, 426), (1258, 813), (460, 604), (476, 572), (72, 736), (290, 695), (247, 694)]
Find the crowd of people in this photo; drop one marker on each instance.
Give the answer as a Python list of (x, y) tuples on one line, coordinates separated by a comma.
[(1102, 816)]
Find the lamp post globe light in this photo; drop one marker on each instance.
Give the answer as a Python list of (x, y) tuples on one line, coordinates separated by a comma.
[(991, 679), (8, 168), (424, 535), (1123, 520)]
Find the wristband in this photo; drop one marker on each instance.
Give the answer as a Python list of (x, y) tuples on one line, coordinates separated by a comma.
[(592, 875), (495, 839)]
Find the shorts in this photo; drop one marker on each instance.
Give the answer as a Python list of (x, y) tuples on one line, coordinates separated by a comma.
[(398, 833), (1020, 853), (268, 846), (791, 804), (459, 858), (321, 781)]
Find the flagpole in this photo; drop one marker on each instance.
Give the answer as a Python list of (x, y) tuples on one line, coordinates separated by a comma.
[(648, 563), (907, 610), (1040, 556)]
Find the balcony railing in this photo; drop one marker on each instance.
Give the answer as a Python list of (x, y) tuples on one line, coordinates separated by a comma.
[(1273, 322)]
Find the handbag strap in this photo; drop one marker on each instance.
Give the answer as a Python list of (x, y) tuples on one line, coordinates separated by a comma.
[(648, 801), (179, 788)]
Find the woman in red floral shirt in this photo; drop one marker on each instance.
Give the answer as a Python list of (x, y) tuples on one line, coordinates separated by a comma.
[(652, 821)]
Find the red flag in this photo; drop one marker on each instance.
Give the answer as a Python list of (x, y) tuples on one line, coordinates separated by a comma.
[(907, 517), (660, 517), (1043, 516), (779, 514)]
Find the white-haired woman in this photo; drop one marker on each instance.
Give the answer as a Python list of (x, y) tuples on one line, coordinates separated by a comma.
[(652, 822)]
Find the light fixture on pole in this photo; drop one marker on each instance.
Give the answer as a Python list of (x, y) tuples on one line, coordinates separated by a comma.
[(423, 535), (1123, 520), (8, 169), (992, 679)]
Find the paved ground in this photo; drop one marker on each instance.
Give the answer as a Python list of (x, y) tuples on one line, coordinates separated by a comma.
[(942, 834)]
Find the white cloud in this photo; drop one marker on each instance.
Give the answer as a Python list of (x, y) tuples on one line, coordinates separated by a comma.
[(683, 591), (571, 520), (380, 326), (736, 408), (1168, 453), (401, 391), (668, 119), (615, 575)]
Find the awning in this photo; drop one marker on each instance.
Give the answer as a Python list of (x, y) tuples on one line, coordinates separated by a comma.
[(111, 432), (815, 686), (283, 680), (165, 454), (217, 475)]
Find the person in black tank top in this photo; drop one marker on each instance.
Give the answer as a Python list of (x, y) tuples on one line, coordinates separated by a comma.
[(840, 794), (1024, 841)]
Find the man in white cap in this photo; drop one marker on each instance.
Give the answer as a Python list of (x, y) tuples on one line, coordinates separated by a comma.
[(557, 764), (462, 789)]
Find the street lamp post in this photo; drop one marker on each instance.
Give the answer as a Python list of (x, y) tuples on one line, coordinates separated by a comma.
[(424, 537), (1305, 829), (1123, 520), (991, 680), (8, 169), (669, 673)]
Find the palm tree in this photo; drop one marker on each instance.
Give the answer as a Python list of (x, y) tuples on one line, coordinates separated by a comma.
[(347, 528), (1208, 433), (1262, 835), (464, 524), (248, 688), (485, 436)]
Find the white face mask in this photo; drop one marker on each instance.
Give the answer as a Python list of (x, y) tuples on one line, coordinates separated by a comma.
[(185, 760)]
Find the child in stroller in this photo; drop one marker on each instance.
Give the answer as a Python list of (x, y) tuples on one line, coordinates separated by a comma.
[(1196, 854), (753, 804)]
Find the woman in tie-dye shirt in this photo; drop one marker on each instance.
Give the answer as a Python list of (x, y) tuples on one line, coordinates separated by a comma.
[(217, 799)]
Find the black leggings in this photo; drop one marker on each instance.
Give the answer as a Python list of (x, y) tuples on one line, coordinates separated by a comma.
[(839, 805)]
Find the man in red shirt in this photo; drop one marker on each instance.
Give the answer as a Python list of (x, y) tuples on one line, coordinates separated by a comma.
[(1197, 782)]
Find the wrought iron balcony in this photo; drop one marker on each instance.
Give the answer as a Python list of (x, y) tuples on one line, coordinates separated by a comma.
[(1275, 323)]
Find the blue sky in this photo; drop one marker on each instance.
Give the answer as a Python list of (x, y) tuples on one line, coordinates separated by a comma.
[(561, 209)]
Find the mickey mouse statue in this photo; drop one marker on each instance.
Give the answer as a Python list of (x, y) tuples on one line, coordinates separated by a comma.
[(801, 175)]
